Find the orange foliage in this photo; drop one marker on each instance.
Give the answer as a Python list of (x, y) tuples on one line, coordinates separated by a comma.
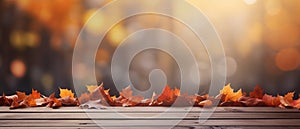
[(168, 97)]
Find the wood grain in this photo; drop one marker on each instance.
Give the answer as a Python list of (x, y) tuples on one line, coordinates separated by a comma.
[(144, 117)]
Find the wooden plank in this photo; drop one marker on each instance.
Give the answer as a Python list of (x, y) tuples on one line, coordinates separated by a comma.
[(150, 123), (145, 109), (145, 116), (176, 127)]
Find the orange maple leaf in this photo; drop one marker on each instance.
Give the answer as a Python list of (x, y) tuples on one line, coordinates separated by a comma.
[(287, 100), (129, 99), (54, 102), (230, 95), (167, 97), (257, 93), (296, 103), (66, 93), (20, 96), (35, 94), (84, 98), (270, 100)]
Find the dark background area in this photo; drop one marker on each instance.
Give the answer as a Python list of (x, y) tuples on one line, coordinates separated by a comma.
[(261, 41)]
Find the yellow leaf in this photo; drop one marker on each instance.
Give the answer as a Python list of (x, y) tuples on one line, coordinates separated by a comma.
[(289, 97), (65, 93), (113, 97), (230, 95), (226, 90), (91, 88)]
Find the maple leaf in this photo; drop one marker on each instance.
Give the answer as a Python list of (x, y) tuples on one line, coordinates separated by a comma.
[(205, 103), (98, 92), (270, 100), (68, 101), (53, 102), (249, 101), (20, 96), (177, 92), (5, 101), (167, 97), (84, 98), (199, 98), (35, 94), (257, 93), (229, 94), (128, 98), (66, 93), (92, 88), (15, 104), (296, 103), (287, 100)]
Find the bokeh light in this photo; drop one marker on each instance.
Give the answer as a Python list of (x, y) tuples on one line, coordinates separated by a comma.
[(18, 68), (250, 1), (261, 41), (288, 59)]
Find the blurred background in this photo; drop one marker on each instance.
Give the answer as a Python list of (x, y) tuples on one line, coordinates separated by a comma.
[(37, 37)]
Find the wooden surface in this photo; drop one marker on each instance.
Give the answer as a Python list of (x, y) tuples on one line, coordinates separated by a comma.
[(144, 117)]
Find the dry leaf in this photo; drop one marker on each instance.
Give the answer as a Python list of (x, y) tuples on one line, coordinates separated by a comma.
[(84, 98), (66, 93), (270, 100), (92, 88), (53, 102), (4, 101), (230, 95), (257, 93), (35, 94)]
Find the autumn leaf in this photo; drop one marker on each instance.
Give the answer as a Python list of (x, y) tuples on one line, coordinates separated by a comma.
[(35, 94), (66, 93), (92, 88), (68, 101), (270, 100), (250, 101), (5, 101), (177, 92), (205, 103), (20, 96), (257, 93), (287, 100), (15, 104), (53, 102), (296, 103), (230, 95), (167, 97), (128, 98), (84, 98)]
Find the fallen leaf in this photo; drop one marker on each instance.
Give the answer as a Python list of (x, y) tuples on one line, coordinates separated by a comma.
[(35, 94), (230, 95), (69, 101), (92, 88), (167, 97), (4, 101), (15, 104), (53, 102), (66, 93), (128, 98), (270, 100), (84, 98), (205, 103), (250, 102), (20, 96), (257, 93)]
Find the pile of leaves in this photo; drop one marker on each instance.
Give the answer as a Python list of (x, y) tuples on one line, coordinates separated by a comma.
[(35, 99), (97, 95)]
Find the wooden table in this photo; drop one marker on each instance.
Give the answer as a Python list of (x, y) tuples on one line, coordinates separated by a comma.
[(75, 117)]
